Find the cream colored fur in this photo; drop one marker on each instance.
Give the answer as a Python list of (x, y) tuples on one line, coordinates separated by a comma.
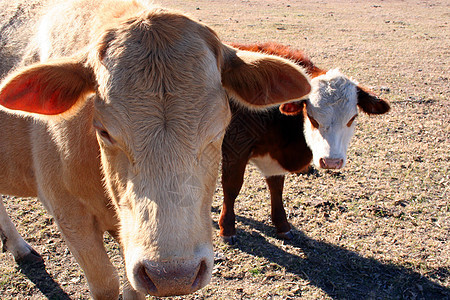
[(136, 147)]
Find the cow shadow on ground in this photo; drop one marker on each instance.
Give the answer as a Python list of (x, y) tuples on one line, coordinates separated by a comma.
[(341, 273), (43, 281)]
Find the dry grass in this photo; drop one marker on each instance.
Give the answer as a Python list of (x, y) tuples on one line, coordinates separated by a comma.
[(377, 230)]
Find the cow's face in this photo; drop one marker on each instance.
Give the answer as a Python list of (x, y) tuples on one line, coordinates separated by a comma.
[(329, 116), (330, 113), (160, 115), (159, 83)]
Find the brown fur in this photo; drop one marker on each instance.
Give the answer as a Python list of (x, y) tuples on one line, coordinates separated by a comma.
[(255, 134), (295, 55)]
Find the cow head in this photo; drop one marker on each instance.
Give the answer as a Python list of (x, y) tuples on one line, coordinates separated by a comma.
[(329, 116), (159, 84)]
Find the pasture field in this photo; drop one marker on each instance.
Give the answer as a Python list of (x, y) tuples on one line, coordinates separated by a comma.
[(380, 228)]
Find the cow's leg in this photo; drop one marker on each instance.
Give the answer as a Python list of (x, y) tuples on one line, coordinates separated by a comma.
[(232, 180), (13, 242), (81, 232), (278, 213)]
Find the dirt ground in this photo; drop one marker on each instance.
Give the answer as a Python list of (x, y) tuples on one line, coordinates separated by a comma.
[(380, 228)]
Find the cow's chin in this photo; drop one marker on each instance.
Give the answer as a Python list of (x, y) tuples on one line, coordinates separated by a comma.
[(170, 276)]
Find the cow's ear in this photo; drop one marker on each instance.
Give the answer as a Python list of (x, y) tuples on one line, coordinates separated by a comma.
[(256, 79), (371, 103), (292, 108), (50, 88)]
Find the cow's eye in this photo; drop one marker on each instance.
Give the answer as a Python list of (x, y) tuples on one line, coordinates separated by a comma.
[(105, 135), (314, 123), (351, 121), (102, 132)]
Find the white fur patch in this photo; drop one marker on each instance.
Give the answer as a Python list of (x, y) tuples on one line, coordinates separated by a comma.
[(268, 166), (332, 103)]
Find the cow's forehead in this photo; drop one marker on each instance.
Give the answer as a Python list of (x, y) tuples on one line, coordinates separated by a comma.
[(161, 86), (160, 53), (333, 96)]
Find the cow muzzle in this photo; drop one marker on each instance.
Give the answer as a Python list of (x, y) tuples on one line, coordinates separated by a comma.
[(331, 163), (172, 278)]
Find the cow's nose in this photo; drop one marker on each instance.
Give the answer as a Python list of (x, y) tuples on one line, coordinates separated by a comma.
[(171, 278), (331, 163)]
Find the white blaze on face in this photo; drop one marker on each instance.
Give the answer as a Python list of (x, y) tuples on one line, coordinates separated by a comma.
[(331, 109)]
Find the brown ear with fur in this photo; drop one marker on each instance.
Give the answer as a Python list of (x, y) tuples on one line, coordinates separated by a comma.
[(371, 103), (256, 79), (292, 108), (49, 88)]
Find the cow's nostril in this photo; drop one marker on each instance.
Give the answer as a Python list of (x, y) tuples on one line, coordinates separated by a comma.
[(172, 278), (146, 281), (200, 275), (331, 163), (322, 163)]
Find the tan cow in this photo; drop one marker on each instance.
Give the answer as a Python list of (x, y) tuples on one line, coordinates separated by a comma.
[(114, 118)]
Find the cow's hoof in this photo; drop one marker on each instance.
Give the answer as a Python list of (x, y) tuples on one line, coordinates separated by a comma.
[(288, 235), (30, 259), (229, 240)]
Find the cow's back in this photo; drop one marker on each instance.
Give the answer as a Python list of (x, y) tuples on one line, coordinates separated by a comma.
[(30, 32), (17, 25)]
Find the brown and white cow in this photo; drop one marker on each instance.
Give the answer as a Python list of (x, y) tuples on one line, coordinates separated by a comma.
[(115, 118), (279, 141)]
